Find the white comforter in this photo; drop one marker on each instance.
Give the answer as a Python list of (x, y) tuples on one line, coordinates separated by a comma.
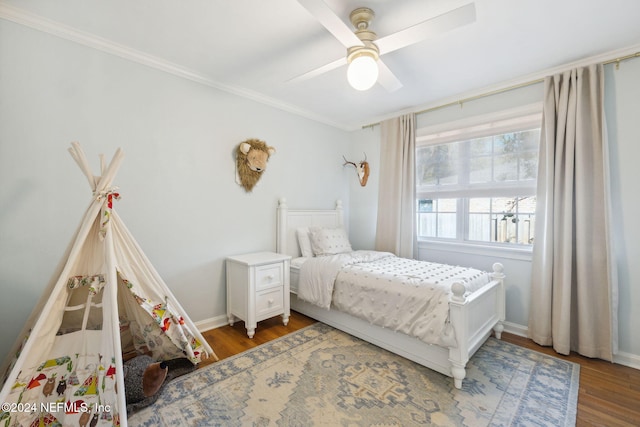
[(318, 275), (404, 295)]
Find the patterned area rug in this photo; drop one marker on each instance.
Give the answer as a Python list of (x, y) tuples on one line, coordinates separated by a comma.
[(319, 376)]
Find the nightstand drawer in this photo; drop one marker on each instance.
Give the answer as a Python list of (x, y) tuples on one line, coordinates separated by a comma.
[(269, 302), (269, 276)]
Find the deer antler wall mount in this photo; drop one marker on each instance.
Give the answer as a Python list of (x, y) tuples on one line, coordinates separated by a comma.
[(362, 169)]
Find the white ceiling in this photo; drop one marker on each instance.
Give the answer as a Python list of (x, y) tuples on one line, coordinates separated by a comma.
[(254, 47)]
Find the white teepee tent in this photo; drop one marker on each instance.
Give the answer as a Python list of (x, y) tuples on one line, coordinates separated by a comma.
[(105, 299)]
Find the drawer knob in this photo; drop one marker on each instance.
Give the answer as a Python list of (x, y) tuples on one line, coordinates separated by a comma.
[(270, 302), (270, 277)]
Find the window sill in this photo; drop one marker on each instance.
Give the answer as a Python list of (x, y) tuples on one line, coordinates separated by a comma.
[(516, 253)]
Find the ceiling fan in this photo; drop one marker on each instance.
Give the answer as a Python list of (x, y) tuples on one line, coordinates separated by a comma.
[(364, 48)]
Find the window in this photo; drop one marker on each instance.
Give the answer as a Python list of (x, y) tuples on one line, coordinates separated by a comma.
[(478, 183)]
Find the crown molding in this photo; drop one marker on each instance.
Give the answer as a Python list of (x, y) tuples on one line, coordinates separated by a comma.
[(609, 58), (39, 23), (45, 25)]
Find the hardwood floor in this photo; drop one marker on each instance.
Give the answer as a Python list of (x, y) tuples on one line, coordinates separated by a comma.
[(229, 340), (609, 394)]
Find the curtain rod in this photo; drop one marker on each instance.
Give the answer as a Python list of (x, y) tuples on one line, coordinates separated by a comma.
[(506, 89)]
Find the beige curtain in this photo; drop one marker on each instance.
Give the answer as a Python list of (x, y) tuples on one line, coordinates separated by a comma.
[(395, 231), (574, 285)]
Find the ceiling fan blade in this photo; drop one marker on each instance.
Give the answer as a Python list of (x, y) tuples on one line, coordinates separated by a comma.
[(442, 23), (331, 22), (387, 79), (321, 70)]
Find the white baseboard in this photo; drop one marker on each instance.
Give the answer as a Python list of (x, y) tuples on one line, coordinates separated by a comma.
[(515, 329), (627, 359), (622, 358), (212, 323)]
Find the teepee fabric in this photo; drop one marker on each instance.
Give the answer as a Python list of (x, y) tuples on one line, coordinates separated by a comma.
[(104, 299)]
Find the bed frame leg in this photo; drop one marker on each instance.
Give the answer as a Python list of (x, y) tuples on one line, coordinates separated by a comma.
[(497, 330), (458, 372), (498, 274)]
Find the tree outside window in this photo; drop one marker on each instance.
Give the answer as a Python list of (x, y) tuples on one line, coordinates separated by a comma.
[(479, 188)]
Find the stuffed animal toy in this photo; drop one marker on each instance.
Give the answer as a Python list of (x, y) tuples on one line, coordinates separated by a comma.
[(143, 378), (251, 161)]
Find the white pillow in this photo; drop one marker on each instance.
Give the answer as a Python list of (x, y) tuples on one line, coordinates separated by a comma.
[(304, 242), (329, 241)]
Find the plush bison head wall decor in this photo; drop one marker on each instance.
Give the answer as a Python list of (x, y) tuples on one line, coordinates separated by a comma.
[(251, 161)]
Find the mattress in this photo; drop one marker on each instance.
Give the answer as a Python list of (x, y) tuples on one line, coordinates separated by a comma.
[(404, 295)]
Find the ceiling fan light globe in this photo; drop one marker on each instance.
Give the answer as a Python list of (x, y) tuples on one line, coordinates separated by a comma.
[(362, 73)]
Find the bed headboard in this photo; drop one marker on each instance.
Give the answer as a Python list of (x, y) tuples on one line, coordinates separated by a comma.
[(289, 220)]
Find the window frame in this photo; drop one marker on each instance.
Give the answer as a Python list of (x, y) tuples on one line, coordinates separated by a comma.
[(505, 121)]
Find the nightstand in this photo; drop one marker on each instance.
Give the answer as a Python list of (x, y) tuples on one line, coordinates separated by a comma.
[(257, 288)]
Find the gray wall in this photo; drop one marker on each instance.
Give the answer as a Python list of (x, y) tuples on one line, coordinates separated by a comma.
[(179, 196), (622, 107)]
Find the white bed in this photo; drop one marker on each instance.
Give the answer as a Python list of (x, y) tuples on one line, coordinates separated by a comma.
[(473, 316)]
